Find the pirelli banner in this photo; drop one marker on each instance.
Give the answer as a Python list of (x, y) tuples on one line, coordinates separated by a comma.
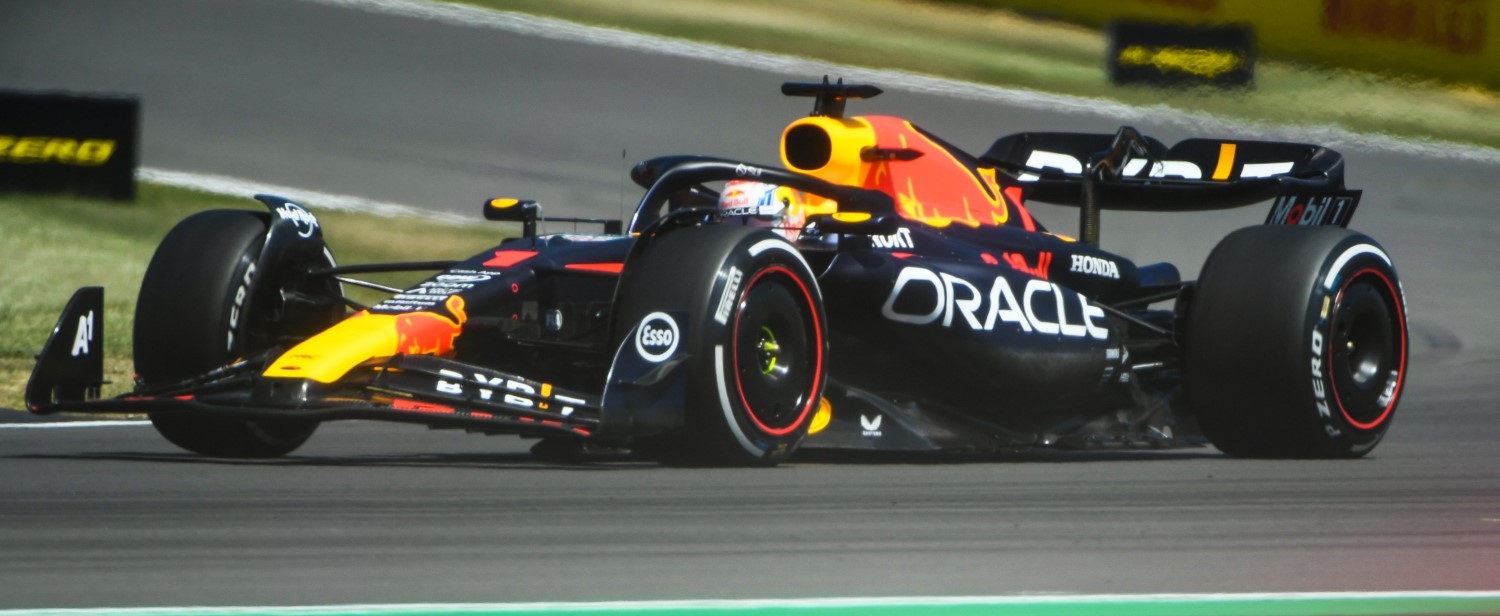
[(69, 143), (1178, 54), (1454, 40)]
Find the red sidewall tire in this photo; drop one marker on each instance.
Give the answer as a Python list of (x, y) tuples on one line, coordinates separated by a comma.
[(757, 334)]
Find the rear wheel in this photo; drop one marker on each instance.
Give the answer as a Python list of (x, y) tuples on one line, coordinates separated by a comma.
[(756, 334), (203, 305), (1296, 343)]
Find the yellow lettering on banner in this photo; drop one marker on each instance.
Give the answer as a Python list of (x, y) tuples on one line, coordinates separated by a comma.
[(1201, 62), (1135, 55), (60, 150), (94, 152), (28, 150)]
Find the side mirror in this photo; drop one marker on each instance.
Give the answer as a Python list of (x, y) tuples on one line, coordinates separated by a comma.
[(514, 210)]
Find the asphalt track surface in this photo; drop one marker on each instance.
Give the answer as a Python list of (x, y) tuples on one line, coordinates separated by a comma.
[(412, 111)]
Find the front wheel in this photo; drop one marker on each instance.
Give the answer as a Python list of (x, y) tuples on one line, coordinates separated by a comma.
[(202, 305), (755, 331), (1296, 343)]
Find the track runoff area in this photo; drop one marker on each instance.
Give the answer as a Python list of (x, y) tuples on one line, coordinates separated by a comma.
[(1293, 604)]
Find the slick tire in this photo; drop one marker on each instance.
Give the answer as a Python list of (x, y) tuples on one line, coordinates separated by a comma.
[(756, 335), (1296, 343), (194, 314)]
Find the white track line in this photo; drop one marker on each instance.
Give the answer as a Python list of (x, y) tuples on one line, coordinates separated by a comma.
[(1201, 123), (53, 425), (225, 185), (746, 604)]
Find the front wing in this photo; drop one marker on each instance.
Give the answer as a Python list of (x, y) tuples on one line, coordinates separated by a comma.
[(405, 388)]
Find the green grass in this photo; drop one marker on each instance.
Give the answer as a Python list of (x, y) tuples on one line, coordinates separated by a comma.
[(50, 246), (1003, 48)]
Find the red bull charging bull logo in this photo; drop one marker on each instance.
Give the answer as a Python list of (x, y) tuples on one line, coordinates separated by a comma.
[(430, 333)]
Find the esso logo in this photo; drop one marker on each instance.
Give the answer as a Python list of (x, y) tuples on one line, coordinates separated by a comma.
[(656, 338)]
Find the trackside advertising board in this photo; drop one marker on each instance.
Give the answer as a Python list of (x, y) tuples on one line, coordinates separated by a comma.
[(1179, 54), (54, 142), (1454, 40)]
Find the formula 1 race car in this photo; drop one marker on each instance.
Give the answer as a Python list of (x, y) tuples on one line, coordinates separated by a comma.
[(884, 291)]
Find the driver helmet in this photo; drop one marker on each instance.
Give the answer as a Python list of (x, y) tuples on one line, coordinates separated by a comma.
[(778, 208)]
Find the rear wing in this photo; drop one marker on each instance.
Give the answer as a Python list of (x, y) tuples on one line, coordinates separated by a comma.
[(1129, 171)]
